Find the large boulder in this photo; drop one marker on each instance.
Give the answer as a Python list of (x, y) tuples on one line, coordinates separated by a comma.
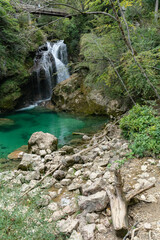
[(73, 96), (42, 143)]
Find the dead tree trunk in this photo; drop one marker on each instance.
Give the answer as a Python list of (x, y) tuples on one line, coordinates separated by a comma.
[(118, 206)]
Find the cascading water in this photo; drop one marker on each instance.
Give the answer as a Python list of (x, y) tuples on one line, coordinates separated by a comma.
[(50, 68)]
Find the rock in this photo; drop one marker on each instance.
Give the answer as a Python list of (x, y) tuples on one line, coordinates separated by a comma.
[(147, 226), (68, 161), (86, 138), (67, 226), (29, 161), (75, 236), (144, 168), (52, 194), (17, 154), (6, 122), (97, 186), (42, 153), (48, 158), (78, 173), (57, 215), (94, 203), (70, 209), (42, 141), (152, 180), (101, 228), (48, 183), (67, 149), (151, 161), (91, 217), (66, 182), (88, 232), (57, 185), (53, 206), (34, 175), (59, 174), (44, 201), (74, 186)]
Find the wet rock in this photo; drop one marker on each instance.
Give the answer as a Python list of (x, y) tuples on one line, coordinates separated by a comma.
[(76, 236), (97, 186), (88, 232), (94, 203), (67, 226), (42, 141), (59, 174)]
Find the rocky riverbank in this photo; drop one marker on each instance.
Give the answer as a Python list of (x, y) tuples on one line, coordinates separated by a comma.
[(73, 183)]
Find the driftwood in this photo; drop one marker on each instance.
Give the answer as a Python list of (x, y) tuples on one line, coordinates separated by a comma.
[(118, 206), (78, 133), (134, 193)]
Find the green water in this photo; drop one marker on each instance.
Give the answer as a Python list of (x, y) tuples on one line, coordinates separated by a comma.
[(39, 119)]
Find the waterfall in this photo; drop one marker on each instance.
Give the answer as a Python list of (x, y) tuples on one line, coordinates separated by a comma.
[(50, 68)]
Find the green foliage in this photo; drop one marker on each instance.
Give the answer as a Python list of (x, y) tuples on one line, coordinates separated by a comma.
[(142, 127)]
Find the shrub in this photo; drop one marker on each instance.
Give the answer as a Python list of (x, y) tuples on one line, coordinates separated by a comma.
[(142, 127)]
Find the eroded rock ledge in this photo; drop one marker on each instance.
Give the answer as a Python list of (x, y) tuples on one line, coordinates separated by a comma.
[(72, 95)]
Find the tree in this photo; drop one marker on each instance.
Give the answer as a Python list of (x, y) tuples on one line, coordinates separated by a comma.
[(156, 10)]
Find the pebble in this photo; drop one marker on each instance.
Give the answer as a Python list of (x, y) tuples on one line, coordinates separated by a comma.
[(147, 226), (144, 168)]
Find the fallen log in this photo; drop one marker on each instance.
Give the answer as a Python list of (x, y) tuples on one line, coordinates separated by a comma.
[(118, 206), (134, 193)]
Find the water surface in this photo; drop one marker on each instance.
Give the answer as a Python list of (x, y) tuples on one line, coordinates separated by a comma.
[(25, 123)]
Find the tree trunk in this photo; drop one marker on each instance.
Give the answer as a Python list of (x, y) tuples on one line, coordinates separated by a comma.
[(118, 206), (156, 10)]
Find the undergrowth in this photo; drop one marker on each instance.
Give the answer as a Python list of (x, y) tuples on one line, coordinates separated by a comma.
[(24, 220), (142, 127)]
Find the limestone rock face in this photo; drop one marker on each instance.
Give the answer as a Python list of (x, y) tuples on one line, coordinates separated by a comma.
[(73, 96), (41, 143)]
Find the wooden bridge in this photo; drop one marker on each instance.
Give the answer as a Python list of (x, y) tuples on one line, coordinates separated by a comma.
[(42, 10)]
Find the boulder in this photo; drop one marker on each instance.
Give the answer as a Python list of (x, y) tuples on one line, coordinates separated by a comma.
[(73, 95), (40, 142), (94, 203)]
